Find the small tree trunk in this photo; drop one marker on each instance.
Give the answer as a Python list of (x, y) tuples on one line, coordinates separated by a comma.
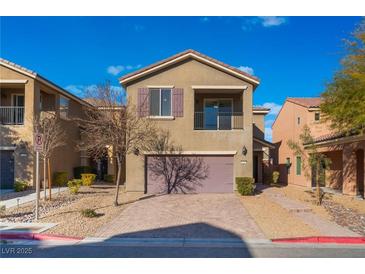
[(318, 188), (119, 162), (44, 177), (49, 179)]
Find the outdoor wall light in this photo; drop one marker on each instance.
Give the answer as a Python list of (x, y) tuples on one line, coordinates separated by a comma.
[(244, 151), (136, 151), (22, 149), (288, 163)]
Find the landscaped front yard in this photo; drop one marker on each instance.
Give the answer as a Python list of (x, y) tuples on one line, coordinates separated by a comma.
[(65, 209)]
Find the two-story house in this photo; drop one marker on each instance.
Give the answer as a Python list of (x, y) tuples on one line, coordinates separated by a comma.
[(24, 95), (346, 153), (207, 107)]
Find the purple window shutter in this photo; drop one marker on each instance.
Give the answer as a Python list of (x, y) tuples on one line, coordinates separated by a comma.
[(143, 104), (178, 102)]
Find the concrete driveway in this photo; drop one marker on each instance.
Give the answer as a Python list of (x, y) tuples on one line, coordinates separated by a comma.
[(184, 216)]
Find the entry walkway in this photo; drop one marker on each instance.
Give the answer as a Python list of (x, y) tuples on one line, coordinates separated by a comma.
[(305, 213)]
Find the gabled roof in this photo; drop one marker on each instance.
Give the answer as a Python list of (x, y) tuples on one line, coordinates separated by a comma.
[(307, 102), (338, 137), (34, 75), (185, 55)]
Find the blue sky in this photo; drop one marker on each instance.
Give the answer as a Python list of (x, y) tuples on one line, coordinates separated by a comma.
[(293, 56)]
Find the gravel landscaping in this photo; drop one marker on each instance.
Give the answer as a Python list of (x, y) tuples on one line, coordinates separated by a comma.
[(344, 210), (65, 210), (275, 221)]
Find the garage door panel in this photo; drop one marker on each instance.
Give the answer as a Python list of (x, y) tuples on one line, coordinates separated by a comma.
[(219, 179)]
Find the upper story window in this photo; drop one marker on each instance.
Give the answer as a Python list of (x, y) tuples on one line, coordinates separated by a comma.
[(64, 107), (298, 120), (317, 116), (160, 101)]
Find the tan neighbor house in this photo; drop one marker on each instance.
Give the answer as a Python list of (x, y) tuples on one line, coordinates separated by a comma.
[(346, 153), (207, 107), (24, 94)]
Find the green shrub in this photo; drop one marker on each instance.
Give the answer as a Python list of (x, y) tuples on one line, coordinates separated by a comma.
[(89, 213), (20, 186), (275, 177), (74, 185), (60, 178), (81, 169), (109, 178), (88, 179), (245, 185), (2, 210)]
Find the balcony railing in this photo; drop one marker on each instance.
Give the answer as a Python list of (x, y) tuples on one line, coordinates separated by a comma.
[(218, 120), (12, 115)]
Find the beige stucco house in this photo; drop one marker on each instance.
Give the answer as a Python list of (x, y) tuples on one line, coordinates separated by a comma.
[(346, 153), (206, 106), (24, 94)]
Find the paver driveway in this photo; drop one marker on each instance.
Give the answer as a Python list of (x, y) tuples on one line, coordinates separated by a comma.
[(184, 216)]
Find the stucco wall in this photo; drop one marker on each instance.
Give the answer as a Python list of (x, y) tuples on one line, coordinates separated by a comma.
[(184, 75), (65, 158)]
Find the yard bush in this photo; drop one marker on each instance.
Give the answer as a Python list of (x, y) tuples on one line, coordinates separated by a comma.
[(20, 186), (89, 213), (74, 185), (275, 177), (2, 210), (60, 178), (245, 185), (81, 169), (109, 178), (87, 178)]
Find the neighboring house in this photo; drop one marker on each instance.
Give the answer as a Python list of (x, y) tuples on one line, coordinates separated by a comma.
[(207, 107), (24, 95), (346, 172)]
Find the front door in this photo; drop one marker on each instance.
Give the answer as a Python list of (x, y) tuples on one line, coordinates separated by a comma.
[(6, 169), (218, 114)]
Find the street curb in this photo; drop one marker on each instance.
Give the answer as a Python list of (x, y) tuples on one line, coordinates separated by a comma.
[(37, 237), (322, 240)]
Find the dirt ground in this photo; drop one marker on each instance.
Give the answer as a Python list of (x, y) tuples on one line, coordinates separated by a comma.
[(275, 221), (68, 216)]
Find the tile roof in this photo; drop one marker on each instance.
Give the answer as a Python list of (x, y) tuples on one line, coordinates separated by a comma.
[(313, 102), (333, 136), (260, 108), (2, 60), (189, 51)]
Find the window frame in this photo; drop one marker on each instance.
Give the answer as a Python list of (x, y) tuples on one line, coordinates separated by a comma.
[(65, 110), (160, 101), (315, 116), (298, 169)]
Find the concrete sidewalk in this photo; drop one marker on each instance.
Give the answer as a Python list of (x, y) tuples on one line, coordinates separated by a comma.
[(28, 198), (304, 212)]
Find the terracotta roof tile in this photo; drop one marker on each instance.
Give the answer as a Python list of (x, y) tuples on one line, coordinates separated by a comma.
[(306, 102), (123, 78)]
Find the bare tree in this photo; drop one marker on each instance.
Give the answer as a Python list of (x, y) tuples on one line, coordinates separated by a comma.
[(113, 125), (53, 137), (178, 172), (314, 162)]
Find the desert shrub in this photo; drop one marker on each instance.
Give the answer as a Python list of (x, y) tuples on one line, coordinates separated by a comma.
[(245, 185), (89, 213), (109, 178), (20, 186), (60, 178), (87, 178), (275, 177), (81, 169), (74, 185)]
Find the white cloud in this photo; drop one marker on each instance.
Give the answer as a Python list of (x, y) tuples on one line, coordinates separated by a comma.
[(248, 70), (274, 108), (268, 133), (272, 21), (264, 21), (205, 19), (115, 70)]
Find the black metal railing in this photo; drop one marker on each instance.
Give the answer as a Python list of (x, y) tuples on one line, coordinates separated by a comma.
[(218, 121)]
